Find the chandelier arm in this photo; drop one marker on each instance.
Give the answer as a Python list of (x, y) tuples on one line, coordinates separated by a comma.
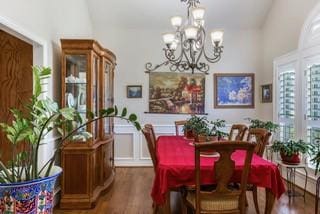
[(150, 68), (216, 56)]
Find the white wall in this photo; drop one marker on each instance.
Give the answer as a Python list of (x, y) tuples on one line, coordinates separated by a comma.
[(135, 47), (49, 21), (281, 33)]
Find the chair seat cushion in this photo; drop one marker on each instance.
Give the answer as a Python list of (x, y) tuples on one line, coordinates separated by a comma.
[(214, 204)]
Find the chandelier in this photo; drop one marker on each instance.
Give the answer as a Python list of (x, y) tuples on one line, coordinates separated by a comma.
[(185, 47)]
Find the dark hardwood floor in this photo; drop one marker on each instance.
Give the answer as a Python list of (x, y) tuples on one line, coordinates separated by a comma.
[(131, 194)]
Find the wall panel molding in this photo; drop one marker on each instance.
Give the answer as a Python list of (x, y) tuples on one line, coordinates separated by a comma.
[(137, 156)]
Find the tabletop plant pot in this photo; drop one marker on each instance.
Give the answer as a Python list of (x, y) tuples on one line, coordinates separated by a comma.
[(200, 138), (30, 197), (188, 133)]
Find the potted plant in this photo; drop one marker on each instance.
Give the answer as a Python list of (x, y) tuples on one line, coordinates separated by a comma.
[(215, 133), (195, 126), (290, 150), (26, 186), (268, 125)]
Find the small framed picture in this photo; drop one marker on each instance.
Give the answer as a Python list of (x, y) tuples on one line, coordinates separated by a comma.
[(134, 91), (266, 93)]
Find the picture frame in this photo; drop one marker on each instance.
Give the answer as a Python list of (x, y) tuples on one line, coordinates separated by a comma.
[(134, 91), (234, 90), (266, 93), (176, 93)]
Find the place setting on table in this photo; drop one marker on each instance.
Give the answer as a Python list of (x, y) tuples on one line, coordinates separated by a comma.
[(175, 157)]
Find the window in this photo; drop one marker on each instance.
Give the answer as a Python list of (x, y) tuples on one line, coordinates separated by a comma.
[(286, 101)]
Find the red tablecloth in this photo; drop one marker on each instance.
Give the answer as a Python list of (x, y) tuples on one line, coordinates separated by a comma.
[(176, 168)]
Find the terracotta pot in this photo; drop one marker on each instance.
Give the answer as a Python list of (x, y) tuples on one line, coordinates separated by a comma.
[(293, 159), (188, 133), (213, 138), (200, 138)]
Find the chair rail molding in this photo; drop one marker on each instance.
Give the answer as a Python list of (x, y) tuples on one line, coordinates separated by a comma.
[(131, 148)]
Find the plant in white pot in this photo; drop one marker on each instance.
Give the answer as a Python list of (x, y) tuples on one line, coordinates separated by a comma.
[(26, 186)]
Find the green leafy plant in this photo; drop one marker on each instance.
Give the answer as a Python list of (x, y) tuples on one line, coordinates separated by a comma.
[(215, 128), (268, 125), (40, 118), (199, 125), (290, 147), (315, 153)]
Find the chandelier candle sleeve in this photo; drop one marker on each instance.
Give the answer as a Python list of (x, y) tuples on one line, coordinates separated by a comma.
[(168, 38), (217, 37), (191, 32), (198, 13), (176, 21)]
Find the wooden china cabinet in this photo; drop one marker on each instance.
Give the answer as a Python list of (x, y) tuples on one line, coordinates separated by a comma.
[(87, 84)]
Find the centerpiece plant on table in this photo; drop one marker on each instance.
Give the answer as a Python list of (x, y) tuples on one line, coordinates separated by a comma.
[(290, 151), (27, 186), (215, 132), (195, 126)]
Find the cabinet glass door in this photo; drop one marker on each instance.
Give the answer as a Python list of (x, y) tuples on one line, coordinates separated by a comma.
[(95, 97), (107, 95), (76, 84)]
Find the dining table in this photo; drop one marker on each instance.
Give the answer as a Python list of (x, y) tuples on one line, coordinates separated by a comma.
[(176, 168)]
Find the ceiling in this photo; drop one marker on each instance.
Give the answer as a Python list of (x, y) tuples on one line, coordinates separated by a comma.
[(240, 14)]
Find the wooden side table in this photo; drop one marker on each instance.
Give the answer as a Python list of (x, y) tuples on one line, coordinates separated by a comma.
[(291, 179)]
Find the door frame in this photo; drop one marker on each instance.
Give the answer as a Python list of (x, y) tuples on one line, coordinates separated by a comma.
[(40, 47)]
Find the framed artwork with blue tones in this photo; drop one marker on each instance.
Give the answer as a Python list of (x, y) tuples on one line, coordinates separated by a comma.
[(234, 90)]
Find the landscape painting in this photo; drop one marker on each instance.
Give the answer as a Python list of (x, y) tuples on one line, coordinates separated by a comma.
[(234, 90), (176, 93)]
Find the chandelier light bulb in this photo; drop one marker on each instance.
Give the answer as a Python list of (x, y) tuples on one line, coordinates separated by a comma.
[(168, 38), (217, 37), (198, 13), (191, 32), (176, 21)]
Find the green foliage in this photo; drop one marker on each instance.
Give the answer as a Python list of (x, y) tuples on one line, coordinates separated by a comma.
[(215, 128), (199, 125), (290, 147), (270, 126), (315, 153), (42, 117)]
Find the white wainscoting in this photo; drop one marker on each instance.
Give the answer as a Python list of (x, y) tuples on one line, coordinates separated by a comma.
[(130, 145)]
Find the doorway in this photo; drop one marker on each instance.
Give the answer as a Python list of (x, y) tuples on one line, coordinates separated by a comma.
[(16, 82)]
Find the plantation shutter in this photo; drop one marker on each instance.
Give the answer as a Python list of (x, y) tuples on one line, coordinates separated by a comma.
[(286, 102)]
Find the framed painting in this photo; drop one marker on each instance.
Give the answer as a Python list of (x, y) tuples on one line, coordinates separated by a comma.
[(176, 93), (266, 93), (234, 90), (134, 91)]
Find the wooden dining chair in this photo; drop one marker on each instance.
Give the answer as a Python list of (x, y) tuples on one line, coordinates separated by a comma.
[(238, 132), (147, 132), (224, 198), (260, 138), (178, 124), (150, 126)]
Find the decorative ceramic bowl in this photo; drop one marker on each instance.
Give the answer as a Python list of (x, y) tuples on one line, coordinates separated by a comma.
[(32, 197)]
